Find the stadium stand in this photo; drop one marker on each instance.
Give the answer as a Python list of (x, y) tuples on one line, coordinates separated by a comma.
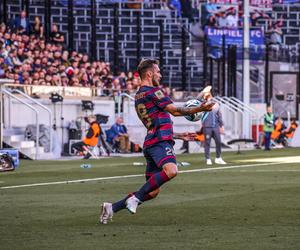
[(104, 41), (153, 20)]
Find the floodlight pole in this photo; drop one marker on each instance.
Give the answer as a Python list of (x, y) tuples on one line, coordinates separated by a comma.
[(246, 69)]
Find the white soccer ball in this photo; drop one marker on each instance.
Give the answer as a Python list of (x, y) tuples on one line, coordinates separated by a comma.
[(197, 116)]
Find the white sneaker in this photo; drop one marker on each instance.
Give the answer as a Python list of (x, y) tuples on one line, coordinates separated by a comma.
[(220, 161), (132, 204), (208, 162), (106, 213)]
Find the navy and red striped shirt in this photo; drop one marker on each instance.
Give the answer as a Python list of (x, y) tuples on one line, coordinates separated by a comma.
[(150, 103)]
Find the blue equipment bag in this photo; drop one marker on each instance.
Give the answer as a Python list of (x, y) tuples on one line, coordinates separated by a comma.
[(9, 159)]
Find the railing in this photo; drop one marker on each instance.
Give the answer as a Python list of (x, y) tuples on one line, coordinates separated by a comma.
[(243, 113), (120, 98), (36, 117), (236, 108), (241, 110), (43, 107), (2, 83), (234, 112), (249, 109)]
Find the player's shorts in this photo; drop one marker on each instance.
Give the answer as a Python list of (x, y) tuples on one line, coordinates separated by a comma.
[(157, 156)]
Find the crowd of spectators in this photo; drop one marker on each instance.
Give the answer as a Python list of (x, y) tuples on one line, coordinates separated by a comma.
[(28, 58)]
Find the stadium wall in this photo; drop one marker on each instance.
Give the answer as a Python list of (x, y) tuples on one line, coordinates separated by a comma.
[(17, 115)]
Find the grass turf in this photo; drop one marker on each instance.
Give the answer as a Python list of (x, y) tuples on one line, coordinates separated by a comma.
[(243, 208)]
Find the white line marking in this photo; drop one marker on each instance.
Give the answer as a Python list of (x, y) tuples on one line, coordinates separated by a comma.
[(73, 181), (285, 159), (137, 175)]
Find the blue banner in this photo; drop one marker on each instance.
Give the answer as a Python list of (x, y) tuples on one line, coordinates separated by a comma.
[(290, 1), (78, 3), (233, 36)]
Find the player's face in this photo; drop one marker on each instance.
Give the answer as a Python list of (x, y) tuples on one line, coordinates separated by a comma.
[(156, 77)]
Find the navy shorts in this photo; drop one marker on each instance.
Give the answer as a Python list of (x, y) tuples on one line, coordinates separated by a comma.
[(157, 156)]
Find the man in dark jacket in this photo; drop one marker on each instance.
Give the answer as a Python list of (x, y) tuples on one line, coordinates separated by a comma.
[(21, 23)]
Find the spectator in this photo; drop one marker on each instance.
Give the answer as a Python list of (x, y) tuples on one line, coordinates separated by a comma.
[(186, 9), (275, 32), (56, 36), (255, 15), (232, 18), (38, 28), (21, 23), (135, 5), (289, 133), (175, 5), (22, 56), (2, 68), (119, 136), (91, 139), (269, 120), (278, 129), (129, 89), (213, 126), (2, 29)]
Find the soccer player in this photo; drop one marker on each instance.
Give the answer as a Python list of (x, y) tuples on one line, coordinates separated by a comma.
[(153, 108)]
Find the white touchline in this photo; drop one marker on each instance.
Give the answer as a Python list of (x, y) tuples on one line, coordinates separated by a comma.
[(138, 175)]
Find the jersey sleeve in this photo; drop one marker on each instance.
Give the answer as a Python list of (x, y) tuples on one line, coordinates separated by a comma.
[(160, 99)]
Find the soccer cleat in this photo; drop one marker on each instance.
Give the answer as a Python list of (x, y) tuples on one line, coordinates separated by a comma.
[(132, 204), (106, 213), (87, 156), (208, 162), (220, 161)]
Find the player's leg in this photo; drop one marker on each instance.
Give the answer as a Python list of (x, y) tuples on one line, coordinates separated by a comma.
[(164, 157), (151, 169), (207, 138), (165, 160), (108, 209), (217, 137)]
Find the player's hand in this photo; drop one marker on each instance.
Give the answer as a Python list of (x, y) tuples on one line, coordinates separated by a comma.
[(222, 130), (207, 106)]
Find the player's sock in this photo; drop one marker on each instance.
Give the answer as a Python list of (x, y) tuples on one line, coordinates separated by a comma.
[(119, 205), (154, 182)]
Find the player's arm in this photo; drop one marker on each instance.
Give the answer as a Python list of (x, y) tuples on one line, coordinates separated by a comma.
[(182, 111)]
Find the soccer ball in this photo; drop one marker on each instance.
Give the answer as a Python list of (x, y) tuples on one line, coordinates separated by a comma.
[(197, 116)]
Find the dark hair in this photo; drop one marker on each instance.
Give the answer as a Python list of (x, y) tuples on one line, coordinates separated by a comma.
[(145, 65)]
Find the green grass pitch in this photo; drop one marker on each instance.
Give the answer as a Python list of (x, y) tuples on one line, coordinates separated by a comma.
[(254, 207)]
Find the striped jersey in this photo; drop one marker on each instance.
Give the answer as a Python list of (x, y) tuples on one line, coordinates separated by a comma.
[(149, 105)]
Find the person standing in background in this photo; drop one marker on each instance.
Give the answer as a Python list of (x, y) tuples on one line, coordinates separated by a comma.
[(213, 127), (21, 23), (269, 120)]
